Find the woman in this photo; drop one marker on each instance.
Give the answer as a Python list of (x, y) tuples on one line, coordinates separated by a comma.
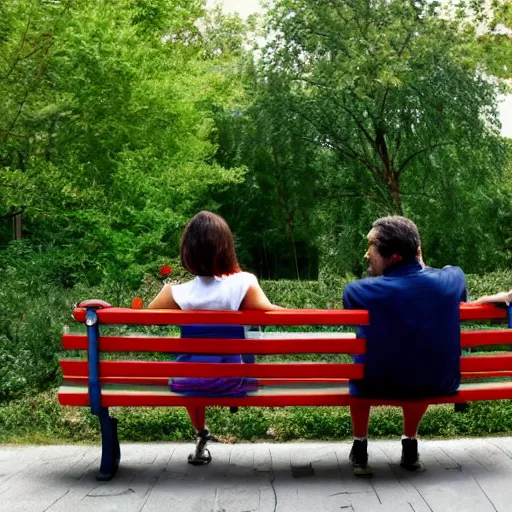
[(505, 297), (208, 252)]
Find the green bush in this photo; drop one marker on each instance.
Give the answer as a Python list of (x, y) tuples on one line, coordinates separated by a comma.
[(40, 418), (36, 308)]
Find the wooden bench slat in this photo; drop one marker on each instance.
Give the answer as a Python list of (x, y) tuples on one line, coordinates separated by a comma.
[(469, 311), (481, 338), (478, 364), (163, 381), (251, 317), (287, 317), (501, 362), (345, 345), (494, 363), (336, 395), (207, 370)]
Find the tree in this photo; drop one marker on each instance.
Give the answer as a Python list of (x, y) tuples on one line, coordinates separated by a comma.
[(107, 137), (391, 87)]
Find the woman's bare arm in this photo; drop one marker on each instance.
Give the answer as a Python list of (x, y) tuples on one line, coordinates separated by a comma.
[(164, 300), (498, 297), (255, 298)]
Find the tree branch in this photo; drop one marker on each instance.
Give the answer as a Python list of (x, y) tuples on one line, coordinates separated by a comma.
[(11, 215), (18, 57), (415, 154), (19, 111)]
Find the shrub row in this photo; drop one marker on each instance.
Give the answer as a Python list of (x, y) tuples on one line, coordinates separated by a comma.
[(34, 315), (41, 419)]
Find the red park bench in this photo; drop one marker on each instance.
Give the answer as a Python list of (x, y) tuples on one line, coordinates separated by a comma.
[(101, 384)]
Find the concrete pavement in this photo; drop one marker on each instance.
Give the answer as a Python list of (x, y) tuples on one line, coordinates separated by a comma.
[(462, 475)]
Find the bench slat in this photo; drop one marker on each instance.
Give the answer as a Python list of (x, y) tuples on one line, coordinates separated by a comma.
[(75, 368), (346, 345), (163, 381), (288, 317), (252, 317), (481, 338), (501, 362), (469, 311), (334, 395), (151, 369)]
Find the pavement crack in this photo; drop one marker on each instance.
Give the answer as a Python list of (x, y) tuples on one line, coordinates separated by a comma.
[(499, 448), (421, 496), (348, 493), (111, 494), (410, 505), (393, 472), (76, 462), (476, 460), (376, 493), (459, 467), (338, 461), (18, 472), (170, 457), (59, 498), (271, 478), (485, 494)]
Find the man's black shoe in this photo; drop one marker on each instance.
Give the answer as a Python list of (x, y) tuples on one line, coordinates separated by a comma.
[(410, 456), (358, 459)]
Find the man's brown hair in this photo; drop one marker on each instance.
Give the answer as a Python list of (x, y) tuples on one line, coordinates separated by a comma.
[(397, 235), (207, 246)]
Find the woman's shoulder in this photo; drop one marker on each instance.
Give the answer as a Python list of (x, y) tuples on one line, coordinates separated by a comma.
[(184, 285), (242, 277)]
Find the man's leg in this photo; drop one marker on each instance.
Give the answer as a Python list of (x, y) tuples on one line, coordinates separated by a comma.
[(360, 416), (413, 415), (358, 458)]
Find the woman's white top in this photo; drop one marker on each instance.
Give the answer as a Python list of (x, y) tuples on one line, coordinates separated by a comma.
[(226, 292)]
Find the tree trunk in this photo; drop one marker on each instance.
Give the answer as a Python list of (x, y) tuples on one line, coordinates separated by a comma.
[(389, 175)]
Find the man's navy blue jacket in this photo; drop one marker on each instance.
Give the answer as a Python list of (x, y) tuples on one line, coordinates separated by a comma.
[(413, 340)]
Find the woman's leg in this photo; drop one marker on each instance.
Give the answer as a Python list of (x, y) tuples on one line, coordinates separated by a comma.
[(197, 417)]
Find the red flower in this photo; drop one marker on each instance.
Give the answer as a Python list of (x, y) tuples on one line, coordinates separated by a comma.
[(137, 303), (164, 272)]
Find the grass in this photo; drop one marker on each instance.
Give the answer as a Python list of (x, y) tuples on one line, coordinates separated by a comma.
[(41, 420)]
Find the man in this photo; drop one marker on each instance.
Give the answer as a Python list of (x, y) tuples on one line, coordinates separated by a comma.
[(413, 340)]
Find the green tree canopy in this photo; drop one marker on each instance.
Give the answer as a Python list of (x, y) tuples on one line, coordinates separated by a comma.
[(401, 112), (106, 137)]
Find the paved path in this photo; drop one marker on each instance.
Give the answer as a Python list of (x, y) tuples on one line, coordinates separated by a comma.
[(462, 475)]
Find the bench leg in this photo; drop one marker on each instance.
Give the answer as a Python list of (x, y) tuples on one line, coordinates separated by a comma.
[(460, 407), (110, 450)]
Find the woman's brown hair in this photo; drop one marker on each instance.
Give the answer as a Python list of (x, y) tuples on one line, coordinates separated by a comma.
[(207, 246)]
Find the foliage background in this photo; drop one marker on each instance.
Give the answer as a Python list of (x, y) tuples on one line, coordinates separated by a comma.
[(120, 119)]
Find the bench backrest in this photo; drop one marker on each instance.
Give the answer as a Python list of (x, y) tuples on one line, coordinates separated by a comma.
[(97, 371)]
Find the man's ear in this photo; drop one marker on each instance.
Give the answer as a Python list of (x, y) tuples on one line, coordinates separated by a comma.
[(395, 258)]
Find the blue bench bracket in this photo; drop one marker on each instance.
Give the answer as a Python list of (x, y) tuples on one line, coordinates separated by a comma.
[(110, 450)]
